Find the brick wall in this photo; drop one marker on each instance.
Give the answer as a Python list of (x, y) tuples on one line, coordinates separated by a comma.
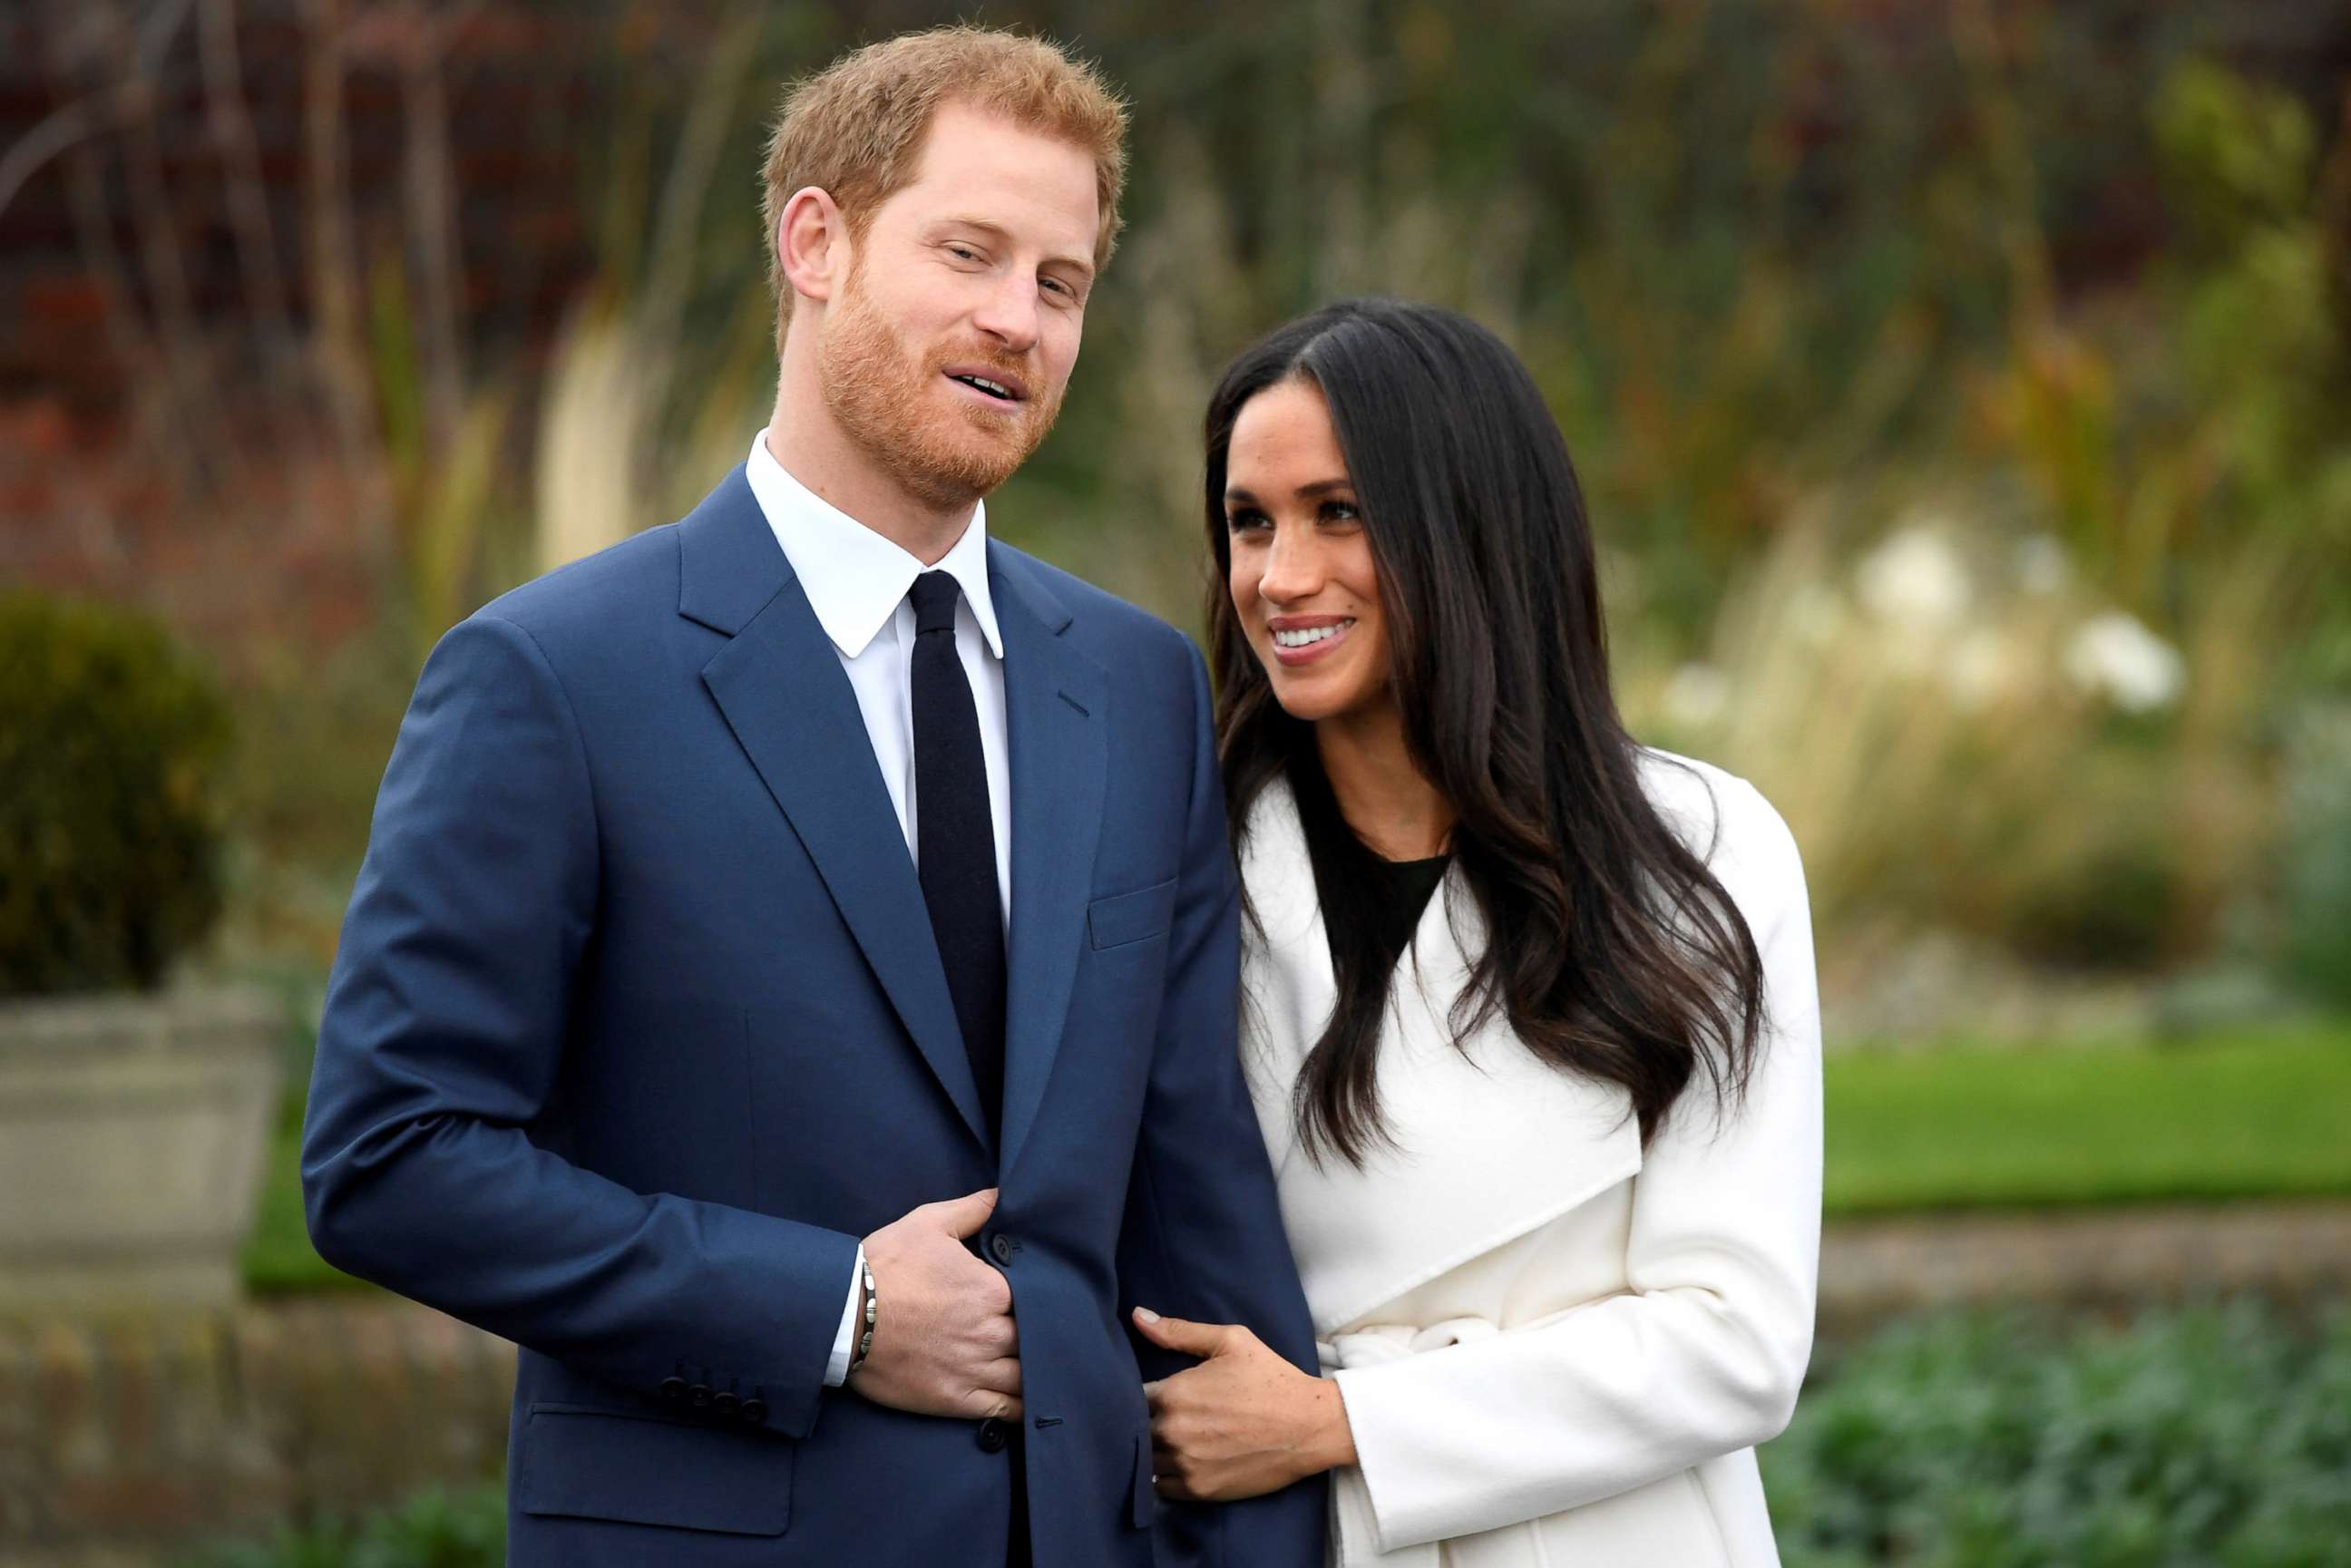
[(123, 1443), (126, 1441)]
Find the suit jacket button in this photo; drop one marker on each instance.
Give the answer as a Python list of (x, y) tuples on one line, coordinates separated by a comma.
[(698, 1396), (725, 1403), (673, 1388), (1002, 1248), (992, 1437), (755, 1411)]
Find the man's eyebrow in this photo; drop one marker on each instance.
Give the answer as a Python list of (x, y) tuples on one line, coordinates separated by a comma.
[(999, 230)]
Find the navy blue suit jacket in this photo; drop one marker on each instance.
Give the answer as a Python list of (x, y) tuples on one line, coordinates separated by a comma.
[(637, 1026)]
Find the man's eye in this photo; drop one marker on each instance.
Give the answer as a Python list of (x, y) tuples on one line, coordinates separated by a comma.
[(963, 253)]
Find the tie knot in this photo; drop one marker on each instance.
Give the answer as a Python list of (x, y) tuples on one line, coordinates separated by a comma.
[(934, 597)]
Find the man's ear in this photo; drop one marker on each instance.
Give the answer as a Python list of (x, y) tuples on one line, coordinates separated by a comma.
[(812, 243)]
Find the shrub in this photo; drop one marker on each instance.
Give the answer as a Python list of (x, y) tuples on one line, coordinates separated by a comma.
[(112, 742), (433, 1528), (2218, 1435)]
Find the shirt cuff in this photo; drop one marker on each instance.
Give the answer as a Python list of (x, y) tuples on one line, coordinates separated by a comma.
[(836, 1369)]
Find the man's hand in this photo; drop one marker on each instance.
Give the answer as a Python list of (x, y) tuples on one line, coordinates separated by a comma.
[(944, 1341)]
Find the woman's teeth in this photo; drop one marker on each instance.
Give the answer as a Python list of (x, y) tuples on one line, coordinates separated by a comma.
[(1311, 634)]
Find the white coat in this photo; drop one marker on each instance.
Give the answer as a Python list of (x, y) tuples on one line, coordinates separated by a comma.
[(1555, 1348)]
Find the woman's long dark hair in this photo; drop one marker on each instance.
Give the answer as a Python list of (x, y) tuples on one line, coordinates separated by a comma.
[(1611, 948)]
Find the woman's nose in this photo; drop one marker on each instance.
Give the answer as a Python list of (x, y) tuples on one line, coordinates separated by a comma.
[(1294, 566)]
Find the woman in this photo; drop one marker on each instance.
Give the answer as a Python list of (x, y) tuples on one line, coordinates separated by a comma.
[(1530, 1011)]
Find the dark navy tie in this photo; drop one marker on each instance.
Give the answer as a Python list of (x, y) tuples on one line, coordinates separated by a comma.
[(955, 837)]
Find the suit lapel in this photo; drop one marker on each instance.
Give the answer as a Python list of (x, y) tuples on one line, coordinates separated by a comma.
[(780, 682), (1055, 718)]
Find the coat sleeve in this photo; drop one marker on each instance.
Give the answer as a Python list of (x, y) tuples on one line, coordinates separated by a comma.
[(1704, 1352), (1202, 1236), (442, 1045)]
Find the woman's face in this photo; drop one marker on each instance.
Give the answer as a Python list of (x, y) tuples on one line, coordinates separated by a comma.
[(1301, 575)]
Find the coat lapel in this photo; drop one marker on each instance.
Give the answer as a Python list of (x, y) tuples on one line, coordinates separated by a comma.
[(780, 682), (1490, 1133), (1055, 718)]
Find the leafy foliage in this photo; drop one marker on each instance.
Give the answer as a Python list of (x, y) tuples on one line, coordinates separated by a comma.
[(435, 1529), (111, 743), (2212, 1436)]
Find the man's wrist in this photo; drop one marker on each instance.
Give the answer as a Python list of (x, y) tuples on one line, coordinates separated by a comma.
[(869, 1313)]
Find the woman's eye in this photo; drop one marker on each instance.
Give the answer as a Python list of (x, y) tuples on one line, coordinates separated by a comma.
[(1341, 512), (963, 253), (1244, 522)]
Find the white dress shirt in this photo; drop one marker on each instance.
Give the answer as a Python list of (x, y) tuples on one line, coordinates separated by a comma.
[(856, 582)]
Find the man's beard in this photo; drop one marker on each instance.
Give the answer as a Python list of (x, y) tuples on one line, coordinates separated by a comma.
[(886, 400)]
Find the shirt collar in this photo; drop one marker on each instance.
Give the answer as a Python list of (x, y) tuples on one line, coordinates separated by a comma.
[(854, 578)]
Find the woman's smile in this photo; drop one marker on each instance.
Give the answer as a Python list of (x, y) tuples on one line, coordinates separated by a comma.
[(1302, 638)]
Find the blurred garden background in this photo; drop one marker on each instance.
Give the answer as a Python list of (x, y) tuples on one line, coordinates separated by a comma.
[(1961, 391)]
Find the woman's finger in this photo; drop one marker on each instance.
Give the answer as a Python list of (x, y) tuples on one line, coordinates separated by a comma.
[(1178, 1334)]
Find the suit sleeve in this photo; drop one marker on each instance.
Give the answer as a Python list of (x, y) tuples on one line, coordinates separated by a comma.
[(1704, 1354), (1203, 1237), (442, 1045)]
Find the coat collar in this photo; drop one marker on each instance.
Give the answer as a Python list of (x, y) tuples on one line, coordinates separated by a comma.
[(1490, 1143)]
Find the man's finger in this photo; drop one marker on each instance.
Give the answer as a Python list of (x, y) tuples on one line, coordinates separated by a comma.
[(1178, 1334), (963, 1216), (1001, 1376)]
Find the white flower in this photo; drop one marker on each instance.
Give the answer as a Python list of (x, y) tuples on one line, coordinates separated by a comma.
[(2113, 656), (1915, 579), (1697, 697)]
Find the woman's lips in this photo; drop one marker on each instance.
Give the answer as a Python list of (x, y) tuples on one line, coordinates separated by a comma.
[(1293, 658)]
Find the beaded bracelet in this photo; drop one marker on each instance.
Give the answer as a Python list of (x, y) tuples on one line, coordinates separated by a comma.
[(872, 1313)]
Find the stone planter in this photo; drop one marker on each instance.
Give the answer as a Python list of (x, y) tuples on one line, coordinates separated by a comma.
[(133, 1134)]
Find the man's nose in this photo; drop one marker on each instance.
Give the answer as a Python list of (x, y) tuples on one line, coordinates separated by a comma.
[(1008, 313)]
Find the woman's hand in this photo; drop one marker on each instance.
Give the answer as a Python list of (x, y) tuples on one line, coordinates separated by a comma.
[(1242, 1423)]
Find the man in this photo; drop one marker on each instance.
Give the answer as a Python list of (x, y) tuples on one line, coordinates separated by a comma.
[(816, 869)]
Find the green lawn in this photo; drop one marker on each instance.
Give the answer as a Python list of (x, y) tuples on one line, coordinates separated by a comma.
[(1959, 1128), (2265, 1115)]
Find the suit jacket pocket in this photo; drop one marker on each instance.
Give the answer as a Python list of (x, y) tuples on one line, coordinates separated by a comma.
[(583, 1462), (1143, 1500), (1126, 917)]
